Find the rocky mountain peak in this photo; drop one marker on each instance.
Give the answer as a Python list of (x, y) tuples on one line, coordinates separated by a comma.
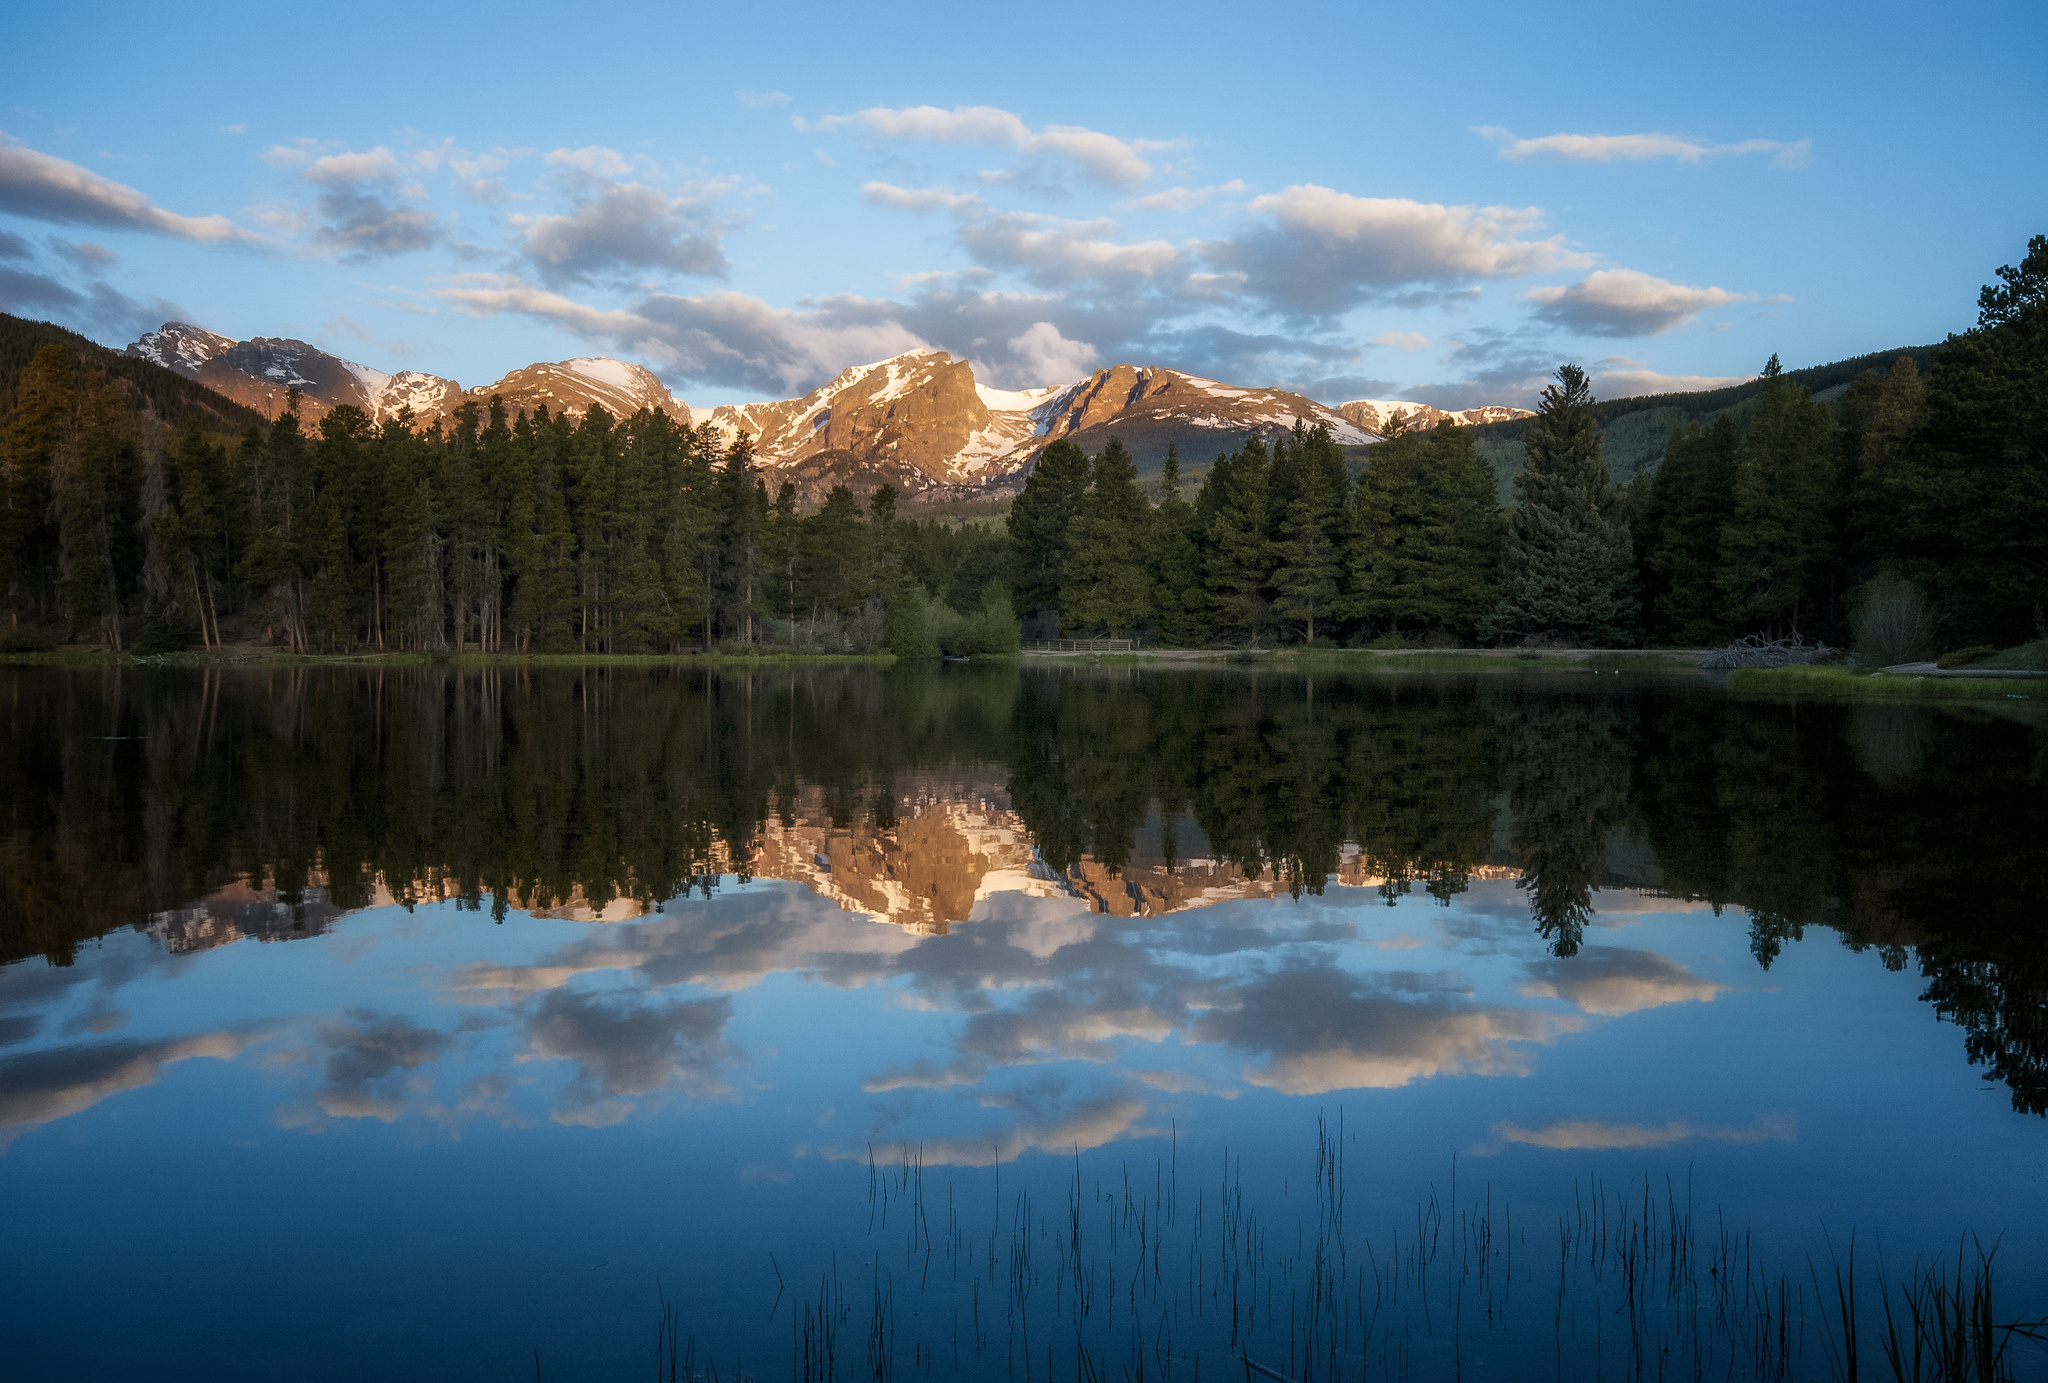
[(919, 421), (261, 371), (1377, 415)]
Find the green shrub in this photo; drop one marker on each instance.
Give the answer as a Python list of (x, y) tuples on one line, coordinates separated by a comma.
[(1894, 623), (164, 630), (993, 629), (1963, 657), (27, 638)]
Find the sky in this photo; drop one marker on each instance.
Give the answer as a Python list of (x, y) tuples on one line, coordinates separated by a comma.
[(1440, 203)]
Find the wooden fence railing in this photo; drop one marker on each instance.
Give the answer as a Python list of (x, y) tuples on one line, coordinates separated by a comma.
[(1081, 646)]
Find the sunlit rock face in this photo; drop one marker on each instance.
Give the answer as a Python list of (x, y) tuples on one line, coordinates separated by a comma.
[(920, 422), (924, 862), (1377, 415), (262, 372), (243, 910)]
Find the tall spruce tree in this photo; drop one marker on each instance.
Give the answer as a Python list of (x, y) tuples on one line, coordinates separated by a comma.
[(1881, 416), (1179, 603), (1778, 547), (1568, 565), (1040, 526), (1313, 534), (1428, 541), (1974, 503), (1232, 520), (1688, 502), (1106, 578), (94, 522), (38, 431)]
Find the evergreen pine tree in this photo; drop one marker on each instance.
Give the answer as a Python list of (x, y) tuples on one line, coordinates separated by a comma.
[(1106, 580), (1778, 547), (1180, 604), (278, 475), (1231, 517), (785, 549), (833, 564), (1428, 543), (1881, 417), (1039, 525), (1465, 533), (89, 508), (38, 430), (1568, 565), (1313, 533), (1689, 501), (552, 607), (1387, 555), (1972, 496)]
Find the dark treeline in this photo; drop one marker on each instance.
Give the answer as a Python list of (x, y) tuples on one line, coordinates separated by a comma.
[(1775, 516), (529, 534), (600, 535), (1914, 832)]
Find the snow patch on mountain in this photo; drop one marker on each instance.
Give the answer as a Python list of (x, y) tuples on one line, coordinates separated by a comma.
[(182, 347), (614, 374), (372, 382)]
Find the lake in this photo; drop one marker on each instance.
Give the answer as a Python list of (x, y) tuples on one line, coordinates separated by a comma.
[(981, 1022)]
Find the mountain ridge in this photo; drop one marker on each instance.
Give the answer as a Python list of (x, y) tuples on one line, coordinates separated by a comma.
[(260, 371), (919, 421)]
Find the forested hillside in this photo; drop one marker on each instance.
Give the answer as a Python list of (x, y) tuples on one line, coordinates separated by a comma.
[(1769, 509), (1635, 431), (146, 387)]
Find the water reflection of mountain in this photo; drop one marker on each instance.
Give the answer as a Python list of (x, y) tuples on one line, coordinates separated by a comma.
[(206, 806)]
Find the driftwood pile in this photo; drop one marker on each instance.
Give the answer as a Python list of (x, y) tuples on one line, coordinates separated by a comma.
[(1757, 651)]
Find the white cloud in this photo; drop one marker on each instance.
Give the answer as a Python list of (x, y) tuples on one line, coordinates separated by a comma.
[(1187, 198), (1099, 157), (362, 224), (723, 338), (52, 1084), (760, 100), (1318, 250), (1050, 357), (1618, 377), (42, 188), (335, 169), (1322, 1030), (1090, 1124), (1613, 980), (1046, 249), (625, 1045), (625, 225), (594, 160), (1053, 252), (1608, 148), (1627, 302), (921, 199), (1588, 1134), (1407, 342)]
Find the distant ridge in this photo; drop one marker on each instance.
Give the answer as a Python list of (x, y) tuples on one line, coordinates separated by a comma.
[(171, 397), (1636, 428)]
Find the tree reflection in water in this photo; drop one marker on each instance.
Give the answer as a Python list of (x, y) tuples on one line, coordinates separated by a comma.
[(278, 798)]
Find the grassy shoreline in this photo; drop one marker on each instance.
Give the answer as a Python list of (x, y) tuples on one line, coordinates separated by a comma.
[(1849, 684), (99, 657), (1289, 659), (1823, 682)]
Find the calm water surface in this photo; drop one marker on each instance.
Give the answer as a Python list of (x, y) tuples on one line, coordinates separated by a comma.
[(445, 1023)]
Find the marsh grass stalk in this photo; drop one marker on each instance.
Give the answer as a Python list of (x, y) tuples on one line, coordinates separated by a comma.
[(1134, 1277)]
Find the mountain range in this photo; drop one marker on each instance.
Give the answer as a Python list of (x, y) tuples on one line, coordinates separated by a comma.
[(919, 421)]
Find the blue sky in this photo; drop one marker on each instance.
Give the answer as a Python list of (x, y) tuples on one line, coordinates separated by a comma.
[(1441, 203)]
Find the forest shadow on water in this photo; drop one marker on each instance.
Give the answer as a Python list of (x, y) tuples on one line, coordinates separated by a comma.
[(1075, 875)]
